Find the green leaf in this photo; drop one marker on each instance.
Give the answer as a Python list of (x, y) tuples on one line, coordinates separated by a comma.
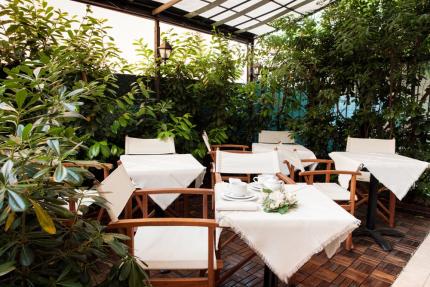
[(26, 257), (54, 145), (44, 219), (60, 173), (26, 132), (41, 172), (16, 202), (20, 97), (7, 267), (10, 219)]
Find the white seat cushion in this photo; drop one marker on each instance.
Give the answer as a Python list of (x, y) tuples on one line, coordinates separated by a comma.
[(334, 191), (173, 247)]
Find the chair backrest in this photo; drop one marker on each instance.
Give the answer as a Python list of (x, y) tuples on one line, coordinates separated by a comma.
[(371, 145), (206, 141), (149, 146), (248, 163), (117, 189), (275, 137)]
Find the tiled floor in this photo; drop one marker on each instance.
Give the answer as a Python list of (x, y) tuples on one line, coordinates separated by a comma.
[(366, 265)]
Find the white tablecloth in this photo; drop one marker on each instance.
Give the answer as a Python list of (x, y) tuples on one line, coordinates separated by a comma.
[(286, 242), (397, 173), (290, 152), (159, 171)]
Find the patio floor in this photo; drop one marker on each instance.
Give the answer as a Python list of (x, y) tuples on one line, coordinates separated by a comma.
[(365, 265)]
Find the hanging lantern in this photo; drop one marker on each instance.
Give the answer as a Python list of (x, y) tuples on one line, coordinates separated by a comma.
[(164, 50)]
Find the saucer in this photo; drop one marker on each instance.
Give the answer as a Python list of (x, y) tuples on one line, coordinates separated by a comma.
[(245, 196), (251, 197)]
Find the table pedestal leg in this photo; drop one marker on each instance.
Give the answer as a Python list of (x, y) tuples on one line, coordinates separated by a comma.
[(270, 279), (370, 230)]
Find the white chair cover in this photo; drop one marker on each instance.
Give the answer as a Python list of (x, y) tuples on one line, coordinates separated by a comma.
[(275, 137), (253, 163), (149, 146), (117, 189), (206, 141), (371, 145)]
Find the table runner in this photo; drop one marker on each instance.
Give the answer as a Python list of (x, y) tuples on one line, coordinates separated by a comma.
[(286, 242), (397, 173), (291, 152), (167, 170)]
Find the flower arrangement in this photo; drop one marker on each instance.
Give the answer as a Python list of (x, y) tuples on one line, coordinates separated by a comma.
[(278, 201)]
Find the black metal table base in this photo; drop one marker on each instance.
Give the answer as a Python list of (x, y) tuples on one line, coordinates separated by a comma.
[(377, 234), (370, 230), (270, 279)]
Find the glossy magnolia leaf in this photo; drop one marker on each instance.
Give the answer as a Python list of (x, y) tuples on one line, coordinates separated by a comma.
[(73, 177), (60, 173), (10, 219), (6, 169), (20, 97), (7, 267), (26, 257), (54, 145), (17, 202), (44, 219), (26, 132), (6, 107), (41, 172), (69, 283)]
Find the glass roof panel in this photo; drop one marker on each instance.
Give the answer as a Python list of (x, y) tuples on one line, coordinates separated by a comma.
[(271, 14), (212, 11), (310, 7), (263, 29), (247, 24), (232, 3), (263, 9), (238, 20), (246, 5), (190, 5), (225, 14)]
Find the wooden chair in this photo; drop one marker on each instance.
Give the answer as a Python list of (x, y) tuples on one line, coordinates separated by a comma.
[(275, 137), (149, 146), (238, 148), (163, 243), (87, 164), (377, 146), (346, 199), (251, 163)]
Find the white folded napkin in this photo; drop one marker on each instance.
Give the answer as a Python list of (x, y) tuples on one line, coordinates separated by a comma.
[(233, 205), (234, 180)]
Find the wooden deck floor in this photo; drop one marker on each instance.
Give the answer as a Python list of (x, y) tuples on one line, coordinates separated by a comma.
[(366, 265)]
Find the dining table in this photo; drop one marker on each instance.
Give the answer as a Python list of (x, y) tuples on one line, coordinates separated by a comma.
[(293, 153), (163, 171), (396, 172), (285, 242)]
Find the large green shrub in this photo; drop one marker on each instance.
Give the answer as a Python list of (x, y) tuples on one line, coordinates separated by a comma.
[(371, 55)]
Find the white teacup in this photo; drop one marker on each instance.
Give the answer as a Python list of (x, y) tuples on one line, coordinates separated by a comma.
[(238, 188), (274, 184), (262, 178)]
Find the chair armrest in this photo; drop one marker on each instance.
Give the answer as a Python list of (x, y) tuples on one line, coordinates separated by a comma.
[(324, 172), (129, 223), (285, 178), (88, 164), (218, 177), (317, 160), (237, 146), (202, 191)]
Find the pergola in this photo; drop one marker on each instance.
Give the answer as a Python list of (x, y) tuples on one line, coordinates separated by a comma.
[(244, 20)]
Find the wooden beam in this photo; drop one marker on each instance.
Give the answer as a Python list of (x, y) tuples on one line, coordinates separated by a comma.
[(205, 8), (165, 6), (280, 14), (243, 12)]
